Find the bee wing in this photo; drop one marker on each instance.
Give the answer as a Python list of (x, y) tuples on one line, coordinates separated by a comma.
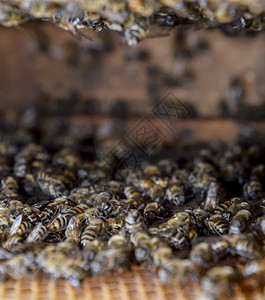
[(35, 235), (72, 229), (16, 225)]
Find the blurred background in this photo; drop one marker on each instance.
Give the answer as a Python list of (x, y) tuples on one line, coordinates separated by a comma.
[(97, 79)]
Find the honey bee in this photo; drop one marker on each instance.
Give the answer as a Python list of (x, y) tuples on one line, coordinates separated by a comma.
[(218, 280), (78, 209), (253, 190), (215, 195), (51, 210), (255, 267), (223, 210), (245, 245), (143, 245), (38, 234), (161, 255), (20, 227), (12, 241), (155, 192), (201, 255), (178, 241), (4, 216), (217, 224), (133, 221), (94, 229), (9, 183), (59, 223), (90, 251), (220, 248), (31, 214), (240, 222), (152, 211), (135, 33), (17, 265), (151, 171), (175, 194), (114, 225), (50, 185), (199, 216), (117, 241), (11, 16), (133, 196)]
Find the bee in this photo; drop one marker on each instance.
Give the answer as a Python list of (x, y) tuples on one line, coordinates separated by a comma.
[(181, 220), (38, 234), (155, 192), (133, 196), (215, 195), (151, 171), (240, 222), (220, 248), (9, 183), (178, 241), (114, 225), (110, 259), (20, 227), (201, 255), (223, 210), (31, 214), (167, 167), (78, 209), (161, 254), (50, 185), (245, 245), (117, 241), (90, 251), (198, 216), (253, 190), (135, 34), (4, 216), (12, 241), (17, 265), (175, 194), (217, 224), (94, 229), (133, 221), (59, 223), (215, 279), (51, 210), (255, 267), (143, 245), (152, 211)]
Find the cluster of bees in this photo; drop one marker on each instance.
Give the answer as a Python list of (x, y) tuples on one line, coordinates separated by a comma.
[(134, 18), (198, 216)]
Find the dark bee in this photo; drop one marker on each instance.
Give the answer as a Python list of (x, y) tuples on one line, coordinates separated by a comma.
[(59, 223), (133, 196), (253, 190), (223, 209), (152, 211), (175, 194), (20, 227), (240, 222), (79, 209), (114, 225), (217, 224), (92, 231)]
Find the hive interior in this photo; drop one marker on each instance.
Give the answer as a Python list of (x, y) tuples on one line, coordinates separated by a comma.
[(89, 134)]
